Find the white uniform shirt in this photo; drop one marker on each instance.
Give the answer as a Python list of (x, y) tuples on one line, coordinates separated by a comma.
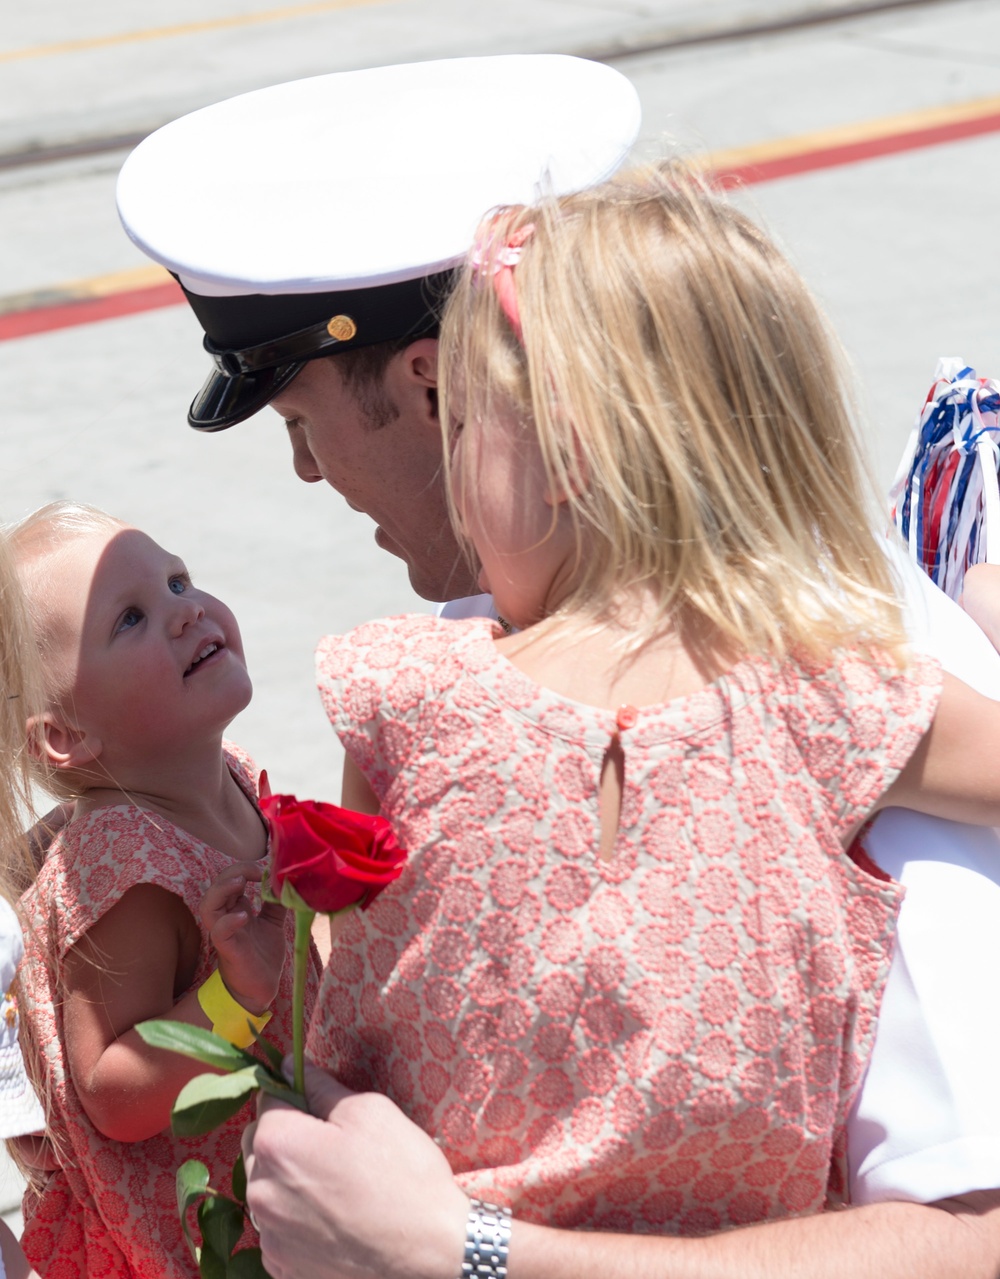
[(926, 1124)]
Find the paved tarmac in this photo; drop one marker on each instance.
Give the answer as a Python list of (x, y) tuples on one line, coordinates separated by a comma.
[(82, 73), (900, 249)]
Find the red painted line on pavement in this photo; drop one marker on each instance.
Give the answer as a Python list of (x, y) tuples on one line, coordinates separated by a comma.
[(44, 319), (851, 152), (879, 138)]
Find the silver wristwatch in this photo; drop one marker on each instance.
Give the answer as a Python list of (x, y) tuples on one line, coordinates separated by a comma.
[(487, 1240)]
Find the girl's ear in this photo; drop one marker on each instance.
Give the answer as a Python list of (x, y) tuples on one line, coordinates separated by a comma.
[(61, 745), (576, 480)]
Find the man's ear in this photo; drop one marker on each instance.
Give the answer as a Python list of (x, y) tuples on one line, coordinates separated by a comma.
[(59, 744), (419, 373)]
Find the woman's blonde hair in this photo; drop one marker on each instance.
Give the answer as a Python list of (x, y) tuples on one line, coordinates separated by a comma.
[(689, 401)]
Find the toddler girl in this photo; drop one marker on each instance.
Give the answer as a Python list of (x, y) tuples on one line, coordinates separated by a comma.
[(145, 905), (20, 1113), (630, 977)]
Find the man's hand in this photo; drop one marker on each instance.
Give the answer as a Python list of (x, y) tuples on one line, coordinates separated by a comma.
[(365, 1194)]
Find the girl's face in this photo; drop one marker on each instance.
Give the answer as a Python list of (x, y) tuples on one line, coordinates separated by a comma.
[(506, 508), (148, 658)]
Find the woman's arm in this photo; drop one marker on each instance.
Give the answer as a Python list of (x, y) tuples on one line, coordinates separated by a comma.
[(981, 599), (16, 1265), (363, 1193), (136, 963), (953, 772), (34, 1151), (355, 793)]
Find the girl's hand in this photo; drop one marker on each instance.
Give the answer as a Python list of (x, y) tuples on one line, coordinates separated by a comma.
[(250, 946)]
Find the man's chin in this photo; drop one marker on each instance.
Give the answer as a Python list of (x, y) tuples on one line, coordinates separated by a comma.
[(430, 578), (385, 543), (439, 586)]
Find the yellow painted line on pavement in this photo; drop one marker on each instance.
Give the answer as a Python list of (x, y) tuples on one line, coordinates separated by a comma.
[(183, 29), (96, 286), (853, 134)]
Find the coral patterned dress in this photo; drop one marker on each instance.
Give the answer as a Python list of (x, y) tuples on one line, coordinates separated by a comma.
[(668, 1041), (111, 1210)]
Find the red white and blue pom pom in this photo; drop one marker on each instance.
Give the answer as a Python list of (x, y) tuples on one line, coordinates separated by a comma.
[(945, 497)]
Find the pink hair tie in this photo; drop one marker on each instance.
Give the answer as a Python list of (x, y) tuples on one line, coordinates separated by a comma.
[(501, 266)]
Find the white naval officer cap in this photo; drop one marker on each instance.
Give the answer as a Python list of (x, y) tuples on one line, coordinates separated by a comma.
[(327, 214)]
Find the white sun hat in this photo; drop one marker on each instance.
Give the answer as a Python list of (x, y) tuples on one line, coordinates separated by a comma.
[(328, 213), (20, 1112)]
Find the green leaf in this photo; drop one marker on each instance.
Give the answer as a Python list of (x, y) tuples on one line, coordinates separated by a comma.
[(239, 1179), (192, 1183), (209, 1100), (273, 1055), (196, 1042), (246, 1264), (221, 1223), (211, 1265), (280, 1088)]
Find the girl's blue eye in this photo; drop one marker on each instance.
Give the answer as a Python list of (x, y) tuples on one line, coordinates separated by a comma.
[(131, 617), (178, 585)]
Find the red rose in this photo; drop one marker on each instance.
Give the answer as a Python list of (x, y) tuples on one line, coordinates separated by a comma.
[(332, 857)]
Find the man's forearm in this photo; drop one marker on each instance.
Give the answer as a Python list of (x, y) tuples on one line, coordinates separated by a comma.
[(958, 1239)]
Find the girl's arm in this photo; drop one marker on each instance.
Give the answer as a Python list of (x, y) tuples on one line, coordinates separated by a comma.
[(137, 962), (955, 770)]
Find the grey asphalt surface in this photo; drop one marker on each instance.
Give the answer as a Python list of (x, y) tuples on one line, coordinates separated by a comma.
[(900, 249), (107, 68)]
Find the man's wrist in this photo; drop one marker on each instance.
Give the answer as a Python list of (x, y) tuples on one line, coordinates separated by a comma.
[(487, 1241)]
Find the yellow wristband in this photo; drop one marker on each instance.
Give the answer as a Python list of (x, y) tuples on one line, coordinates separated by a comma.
[(229, 1019)]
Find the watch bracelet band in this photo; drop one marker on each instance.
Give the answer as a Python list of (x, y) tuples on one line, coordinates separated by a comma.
[(487, 1242)]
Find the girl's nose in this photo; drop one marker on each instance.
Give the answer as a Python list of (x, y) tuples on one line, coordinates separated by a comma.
[(188, 610)]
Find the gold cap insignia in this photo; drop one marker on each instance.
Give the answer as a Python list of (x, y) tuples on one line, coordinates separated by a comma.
[(342, 327)]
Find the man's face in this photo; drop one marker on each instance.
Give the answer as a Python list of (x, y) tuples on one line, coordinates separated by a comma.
[(392, 472)]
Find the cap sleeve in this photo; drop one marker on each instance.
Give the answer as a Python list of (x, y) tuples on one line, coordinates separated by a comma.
[(374, 684), (857, 722)]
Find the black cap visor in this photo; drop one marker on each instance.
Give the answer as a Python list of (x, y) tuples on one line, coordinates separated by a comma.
[(225, 399), (259, 343)]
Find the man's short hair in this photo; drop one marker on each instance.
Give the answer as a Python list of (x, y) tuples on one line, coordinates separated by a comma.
[(363, 373)]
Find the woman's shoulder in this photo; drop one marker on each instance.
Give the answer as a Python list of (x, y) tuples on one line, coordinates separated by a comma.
[(391, 642), (860, 673)]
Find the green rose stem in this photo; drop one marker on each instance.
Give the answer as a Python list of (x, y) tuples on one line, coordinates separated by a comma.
[(303, 934)]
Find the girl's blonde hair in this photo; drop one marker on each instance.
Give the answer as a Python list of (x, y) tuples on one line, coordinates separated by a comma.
[(19, 699), (31, 541), (689, 401)]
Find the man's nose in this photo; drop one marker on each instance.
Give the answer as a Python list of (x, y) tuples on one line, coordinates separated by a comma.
[(303, 462)]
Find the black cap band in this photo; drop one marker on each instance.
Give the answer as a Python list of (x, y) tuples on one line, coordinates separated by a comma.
[(259, 342), (381, 313)]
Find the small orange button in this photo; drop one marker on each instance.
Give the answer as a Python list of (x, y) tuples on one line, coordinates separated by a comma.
[(626, 717)]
